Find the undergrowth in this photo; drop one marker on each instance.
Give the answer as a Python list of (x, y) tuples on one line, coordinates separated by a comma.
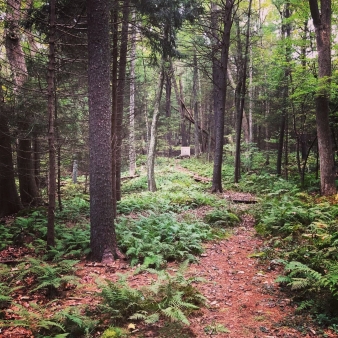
[(154, 239), (171, 297), (302, 232)]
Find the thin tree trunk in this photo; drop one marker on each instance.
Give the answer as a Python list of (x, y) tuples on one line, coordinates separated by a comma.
[(180, 107), (322, 23), (251, 92), (242, 91), (184, 132), (120, 95), (58, 141), (132, 153), (286, 33), (153, 133), (195, 107), (281, 146), (168, 77)]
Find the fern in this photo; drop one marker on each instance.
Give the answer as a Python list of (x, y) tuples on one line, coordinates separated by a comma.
[(307, 304), (173, 297), (154, 239), (45, 276), (34, 318), (74, 322)]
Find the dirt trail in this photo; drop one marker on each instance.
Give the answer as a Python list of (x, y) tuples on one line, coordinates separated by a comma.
[(242, 295)]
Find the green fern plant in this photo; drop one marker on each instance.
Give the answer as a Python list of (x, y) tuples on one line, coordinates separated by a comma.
[(5, 295), (51, 278), (160, 237), (75, 322), (172, 297), (35, 318), (119, 300), (301, 277)]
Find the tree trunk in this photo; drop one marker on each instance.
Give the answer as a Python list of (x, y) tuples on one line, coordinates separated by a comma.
[(114, 20), (195, 107), (9, 199), (153, 132), (241, 99), (103, 242), (286, 34), (14, 51), (132, 153), (168, 76), (184, 132), (322, 23), (219, 73), (29, 193), (281, 146), (36, 160), (120, 96), (51, 127)]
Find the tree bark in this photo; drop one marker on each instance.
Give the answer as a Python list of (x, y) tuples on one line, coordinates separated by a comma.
[(153, 133), (114, 23), (281, 145), (322, 23), (219, 73), (51, 127), (14, 51), (132, 152), (29, 193), (120, 95), (195, 107), (9, 199), (241, 99), (103, 242)]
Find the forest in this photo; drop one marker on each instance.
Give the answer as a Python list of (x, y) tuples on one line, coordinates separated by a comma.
[(168, 168)]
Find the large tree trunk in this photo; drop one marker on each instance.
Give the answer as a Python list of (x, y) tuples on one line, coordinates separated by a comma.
[(322, 23), (219, 73), (115, 26), (103, 242), (51, 128), (153, 133)]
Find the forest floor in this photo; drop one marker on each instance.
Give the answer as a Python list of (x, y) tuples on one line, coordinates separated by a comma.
[(243, 299)]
